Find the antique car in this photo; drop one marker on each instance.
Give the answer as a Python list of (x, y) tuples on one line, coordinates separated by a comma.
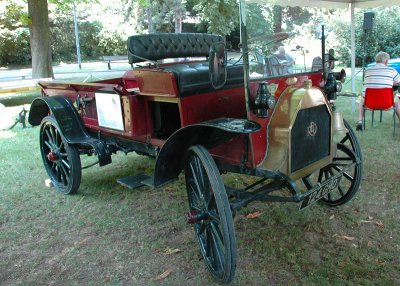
[(206, 113)]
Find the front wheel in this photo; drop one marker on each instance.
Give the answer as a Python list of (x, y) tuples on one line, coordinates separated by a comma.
[(348, 159), (210, 213), (61, 160)]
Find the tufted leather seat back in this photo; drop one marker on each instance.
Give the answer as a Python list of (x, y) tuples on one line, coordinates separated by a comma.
[(167, 45)]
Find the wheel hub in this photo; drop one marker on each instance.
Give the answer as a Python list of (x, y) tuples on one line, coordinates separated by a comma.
[(194, 216), (52, 156)]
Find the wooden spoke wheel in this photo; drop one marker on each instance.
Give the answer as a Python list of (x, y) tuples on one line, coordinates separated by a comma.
[(348, 159), (210, 213), (61, 160)]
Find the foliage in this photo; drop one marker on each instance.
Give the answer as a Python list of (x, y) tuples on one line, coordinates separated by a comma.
[(164, 12), (111, 43), (221, 16), (10, 17), (67, 5), (384, 36), (63, 37), (14, 47), (94, 40)]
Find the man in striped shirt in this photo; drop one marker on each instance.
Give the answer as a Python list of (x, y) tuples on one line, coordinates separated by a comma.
[(379, 76)]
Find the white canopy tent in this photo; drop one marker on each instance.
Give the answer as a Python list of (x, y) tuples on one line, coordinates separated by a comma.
[(339, 4)]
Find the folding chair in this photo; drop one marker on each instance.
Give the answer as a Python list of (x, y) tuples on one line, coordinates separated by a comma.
[(381, 99)]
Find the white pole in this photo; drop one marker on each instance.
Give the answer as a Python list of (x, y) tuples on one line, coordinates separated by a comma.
[(78, 50), (353, 54)]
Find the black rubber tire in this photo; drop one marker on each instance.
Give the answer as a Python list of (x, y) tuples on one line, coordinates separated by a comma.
[(215, 230), (348, 151), (65, 170)]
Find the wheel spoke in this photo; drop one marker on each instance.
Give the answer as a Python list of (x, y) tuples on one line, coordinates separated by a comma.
[(53, 136), (214, 216), (199, 172), (66, 164), (63, 155), (348, 176), (58, 173), (195, 199), (49, 137), (346, 138), (342, 159), (65, 174), (196, 189), (307, 182), (321, 172), (218, 245), (208, 241), (48, 144), (340, 190), (200, 228)]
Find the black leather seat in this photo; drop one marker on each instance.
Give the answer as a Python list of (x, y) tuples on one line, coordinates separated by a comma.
[(194, 78), (168, 45)]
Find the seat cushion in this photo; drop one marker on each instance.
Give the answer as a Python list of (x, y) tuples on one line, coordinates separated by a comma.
[(193, 78)]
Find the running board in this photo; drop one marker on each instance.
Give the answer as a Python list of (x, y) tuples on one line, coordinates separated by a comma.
[(136, 181)]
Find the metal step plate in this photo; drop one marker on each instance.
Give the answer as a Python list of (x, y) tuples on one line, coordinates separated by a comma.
[(136, 181)]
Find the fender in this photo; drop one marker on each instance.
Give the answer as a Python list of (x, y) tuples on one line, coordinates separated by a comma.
[(170, 160), (69, 122)]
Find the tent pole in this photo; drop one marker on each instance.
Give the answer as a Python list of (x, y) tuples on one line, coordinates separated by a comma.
[(353, 54)]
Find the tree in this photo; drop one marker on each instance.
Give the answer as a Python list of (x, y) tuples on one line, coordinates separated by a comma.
[(289, 16), (40, 39), (384, 36), (221, 16)]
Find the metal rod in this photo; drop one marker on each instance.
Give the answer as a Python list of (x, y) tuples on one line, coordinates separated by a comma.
[(78, 49)]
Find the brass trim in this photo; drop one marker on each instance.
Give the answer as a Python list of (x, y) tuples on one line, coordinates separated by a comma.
[(278, 154)]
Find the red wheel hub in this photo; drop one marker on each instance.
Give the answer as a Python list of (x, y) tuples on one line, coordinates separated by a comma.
[(52, 156), (194, 216)]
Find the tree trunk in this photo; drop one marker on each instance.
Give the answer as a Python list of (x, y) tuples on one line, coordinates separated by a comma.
[(150, 18), (277, 18), (178, 21), (40, 39)]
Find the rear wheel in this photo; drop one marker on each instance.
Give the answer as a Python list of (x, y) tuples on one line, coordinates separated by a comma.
[(61, 160), (210, 214), (348, 159)]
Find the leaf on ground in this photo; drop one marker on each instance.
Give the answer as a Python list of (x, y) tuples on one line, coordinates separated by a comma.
[(163, 275), (345, 237), (332, 216), (381, 262), (379, 224), (170, 251), (253, 215), (168, 189), (366, 221)]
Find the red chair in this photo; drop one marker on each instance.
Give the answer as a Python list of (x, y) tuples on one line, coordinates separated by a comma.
[(381, 99)]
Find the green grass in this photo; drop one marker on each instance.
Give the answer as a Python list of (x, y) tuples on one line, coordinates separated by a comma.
[(109, 235)]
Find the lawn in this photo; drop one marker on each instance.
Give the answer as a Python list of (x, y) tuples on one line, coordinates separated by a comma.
[(109, 235)]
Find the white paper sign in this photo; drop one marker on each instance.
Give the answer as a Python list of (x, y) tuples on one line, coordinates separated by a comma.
[(109, 112)]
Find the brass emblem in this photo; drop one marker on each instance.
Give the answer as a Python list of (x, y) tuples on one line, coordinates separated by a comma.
[(312, 129)]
